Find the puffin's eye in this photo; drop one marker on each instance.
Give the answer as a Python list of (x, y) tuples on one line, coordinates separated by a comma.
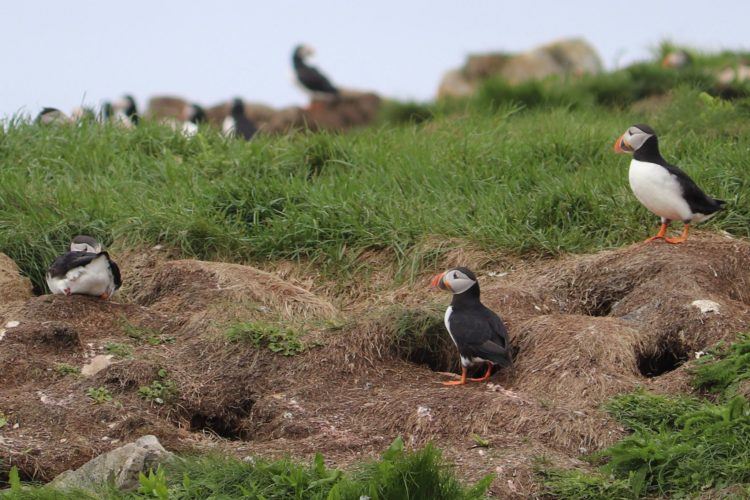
[(455, 276)]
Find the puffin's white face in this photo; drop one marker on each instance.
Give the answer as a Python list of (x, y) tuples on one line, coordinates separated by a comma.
[(453, 280), (632, 139), (307, 51), (85, 247)]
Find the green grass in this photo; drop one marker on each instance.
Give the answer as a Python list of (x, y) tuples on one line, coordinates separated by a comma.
[(680, 446), (542, 180), (399, 474), (277, 338)]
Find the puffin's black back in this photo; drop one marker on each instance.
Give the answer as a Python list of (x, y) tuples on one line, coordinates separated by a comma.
[(476, 329), (68, 261), (243, 126), (698, 201)]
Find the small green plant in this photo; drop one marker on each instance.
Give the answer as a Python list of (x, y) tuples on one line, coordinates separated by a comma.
[(479, 440), (723, 369), (3, 420), (159, 391), (144, 334), (278, 339), (66, 369), (118, 350), (154, 484), (99, 394)]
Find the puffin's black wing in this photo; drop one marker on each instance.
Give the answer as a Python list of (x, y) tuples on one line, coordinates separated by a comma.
[(481, 333), (68, 261), (314, 80), (698, 201), (115, 270)]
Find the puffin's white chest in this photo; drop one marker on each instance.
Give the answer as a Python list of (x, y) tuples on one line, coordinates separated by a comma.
[(446, 318), (658, 190)]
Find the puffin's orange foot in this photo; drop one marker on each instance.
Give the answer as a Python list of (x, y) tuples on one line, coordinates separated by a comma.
[(681, 238), (485, 377), (660, 235), (458, 382), (104, 296), (455, 382), (675, 241)]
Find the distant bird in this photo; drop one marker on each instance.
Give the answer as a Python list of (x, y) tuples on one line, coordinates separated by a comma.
[(310, 77), (663, 188), (85, 270), (123, 111), (195, 114), (479, 333), (52, 116), (237, 124), (677, 59)]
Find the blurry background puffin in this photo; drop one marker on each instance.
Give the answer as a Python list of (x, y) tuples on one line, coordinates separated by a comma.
[(663, 188), (237, 124), (479, 333), (85, 270), (311, 79)]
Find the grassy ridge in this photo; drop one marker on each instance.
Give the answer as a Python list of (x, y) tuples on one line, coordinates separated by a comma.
[(541, 180)]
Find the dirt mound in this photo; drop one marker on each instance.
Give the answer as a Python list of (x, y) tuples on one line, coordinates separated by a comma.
[(14, 288), (585, 328)]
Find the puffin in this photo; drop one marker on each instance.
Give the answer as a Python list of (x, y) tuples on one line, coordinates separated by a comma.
[(237, 123), (478, 333), (310, 77), (661, 187), (123, 111), (193, 115), (52, 116), (86, 269)]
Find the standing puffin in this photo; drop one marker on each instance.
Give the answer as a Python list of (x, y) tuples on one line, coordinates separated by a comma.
[(663, 188), (310, 77), (237, 123), (85, 270), (479, 333)]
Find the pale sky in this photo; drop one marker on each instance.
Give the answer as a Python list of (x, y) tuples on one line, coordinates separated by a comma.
[(63, 53)]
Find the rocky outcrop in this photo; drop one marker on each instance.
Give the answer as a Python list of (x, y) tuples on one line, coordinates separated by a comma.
[(352, 109), (121, 466), (564, 57)]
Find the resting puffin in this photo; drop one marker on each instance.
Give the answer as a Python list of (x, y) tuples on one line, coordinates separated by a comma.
[(52, 116), (123, 111), (310, 77), (663, 188), (479, 333), (85, 270), (237, 123)]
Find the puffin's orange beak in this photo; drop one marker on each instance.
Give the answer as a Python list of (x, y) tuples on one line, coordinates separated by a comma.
[(622, 146), (438, 281)]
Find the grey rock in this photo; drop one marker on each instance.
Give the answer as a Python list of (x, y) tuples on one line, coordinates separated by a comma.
[(121, 466)]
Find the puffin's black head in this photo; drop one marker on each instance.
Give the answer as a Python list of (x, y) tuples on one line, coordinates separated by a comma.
[(635, 138), (238, 107), (83, 243), (456, 281), (196, 114)]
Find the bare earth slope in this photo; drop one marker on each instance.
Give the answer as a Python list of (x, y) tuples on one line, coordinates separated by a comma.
[(586, 328)]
